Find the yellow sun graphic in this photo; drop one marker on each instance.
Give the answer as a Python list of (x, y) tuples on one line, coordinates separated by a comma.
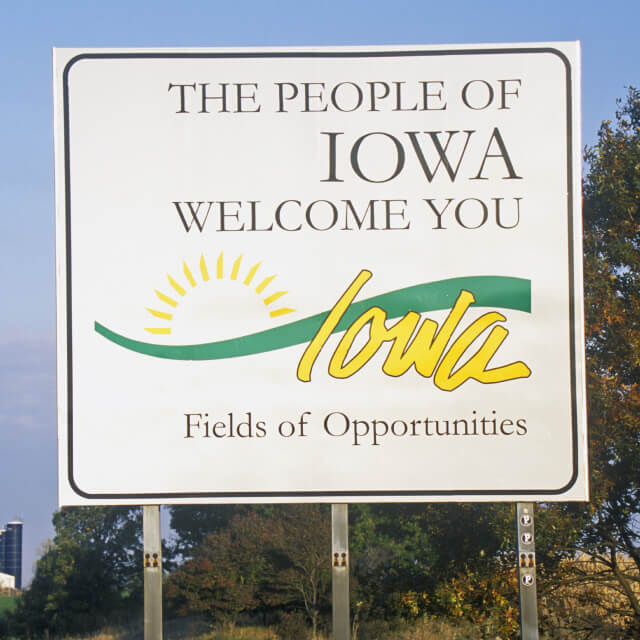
[(178, 291)]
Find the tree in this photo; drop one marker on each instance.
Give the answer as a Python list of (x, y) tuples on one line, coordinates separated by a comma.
[(259, 562), (403, 553), (303, 534), (90, 574), (609, 527), (391, 555), (227, 573), (193, 523)]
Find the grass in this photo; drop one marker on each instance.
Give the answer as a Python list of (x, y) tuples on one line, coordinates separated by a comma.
[(7, 603), (184, 629), (195, 629)]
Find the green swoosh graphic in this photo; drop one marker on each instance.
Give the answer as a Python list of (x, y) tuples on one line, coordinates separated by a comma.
[(489, 291)]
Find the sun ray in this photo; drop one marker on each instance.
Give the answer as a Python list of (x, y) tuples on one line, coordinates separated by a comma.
[(176, 286), (280, 312), (160, 314), (220, 267), (265, 283), (252, 273), (203, 269), (236, 267), (170, 301), (274, 296), (189, 275), (234, 274)]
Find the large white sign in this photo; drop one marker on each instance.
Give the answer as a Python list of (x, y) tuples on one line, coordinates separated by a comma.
[(320, 274)]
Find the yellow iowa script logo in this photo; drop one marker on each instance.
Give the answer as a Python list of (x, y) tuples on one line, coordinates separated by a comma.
[(429, 351)]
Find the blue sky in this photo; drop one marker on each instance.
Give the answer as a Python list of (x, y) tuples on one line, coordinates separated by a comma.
[(29, 30)]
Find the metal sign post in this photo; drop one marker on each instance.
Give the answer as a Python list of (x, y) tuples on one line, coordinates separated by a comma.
[(527, 572), (152, 543), (340, 571)]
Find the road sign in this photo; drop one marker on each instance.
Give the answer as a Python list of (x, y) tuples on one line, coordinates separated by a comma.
[(336, 275)]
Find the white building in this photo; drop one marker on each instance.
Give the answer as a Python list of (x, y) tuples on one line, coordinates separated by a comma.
[(7, 581)]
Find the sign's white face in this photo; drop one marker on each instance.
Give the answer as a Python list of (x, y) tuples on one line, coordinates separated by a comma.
[(319, 275)]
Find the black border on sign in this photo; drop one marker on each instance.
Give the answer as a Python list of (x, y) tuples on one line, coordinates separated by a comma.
[(263, 496)]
